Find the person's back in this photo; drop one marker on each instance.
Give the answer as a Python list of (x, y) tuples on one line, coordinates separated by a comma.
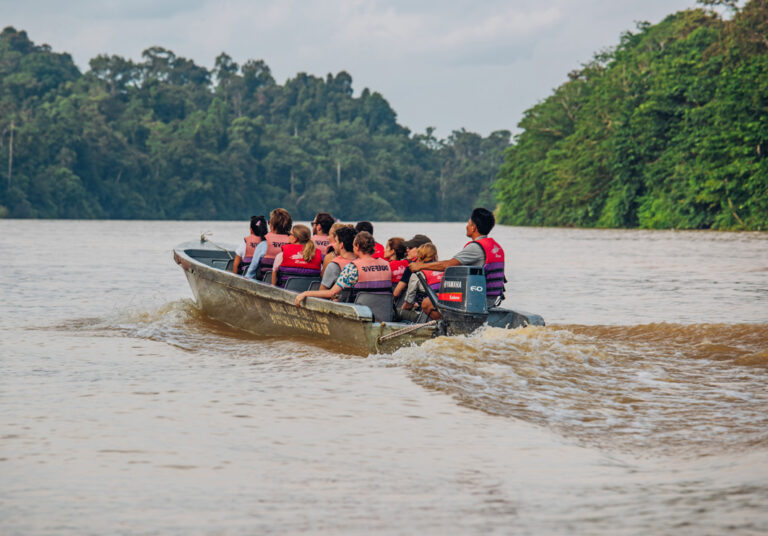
[(245, 252), (378, 251), (299, 258), (479, 251), (280, 224), (395, 253), (321, 226), (343, 239)]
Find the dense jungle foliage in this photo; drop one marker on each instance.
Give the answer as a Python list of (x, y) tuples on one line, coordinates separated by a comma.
[(668, 130), (166, 138)]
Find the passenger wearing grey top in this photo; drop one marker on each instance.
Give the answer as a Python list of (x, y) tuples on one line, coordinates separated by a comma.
[(479, 225)]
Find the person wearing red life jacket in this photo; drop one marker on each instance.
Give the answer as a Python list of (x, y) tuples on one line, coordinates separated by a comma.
[(245, 252), (342, 240), (367, 226), (298, 258), (412, 254), (480, 251), (364, 274), (280, 223), (395, 253), (415, 292), (321, 226)]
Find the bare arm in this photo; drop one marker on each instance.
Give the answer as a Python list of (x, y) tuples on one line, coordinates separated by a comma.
[(399, 289), (438, 266), (327, 294), (236, 264)]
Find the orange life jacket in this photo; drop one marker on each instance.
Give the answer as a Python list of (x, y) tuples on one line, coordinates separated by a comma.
[(322, 242), (493, 267), (274, 244), (341, 261), (398, 269), (251, 241), (373, 275)]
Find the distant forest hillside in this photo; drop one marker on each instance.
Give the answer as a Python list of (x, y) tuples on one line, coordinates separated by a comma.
[(668, 130), (168, 139)]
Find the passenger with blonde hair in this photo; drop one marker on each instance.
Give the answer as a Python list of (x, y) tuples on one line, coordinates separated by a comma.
[(299, 258), (416, 292)]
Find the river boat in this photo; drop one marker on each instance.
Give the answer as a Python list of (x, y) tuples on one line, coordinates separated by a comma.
[(268, 311)]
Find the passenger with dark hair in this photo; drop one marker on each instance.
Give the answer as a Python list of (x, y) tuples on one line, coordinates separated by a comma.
[(254, 245), (321, 225), (343, 242), (331, 252), (395, 252), (300, 257), (480, 251), (368, 228), (280, 223), (412, 253), (364, 274)]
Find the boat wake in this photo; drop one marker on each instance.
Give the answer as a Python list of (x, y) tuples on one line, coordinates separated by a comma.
[(657, 388), (178, 323)]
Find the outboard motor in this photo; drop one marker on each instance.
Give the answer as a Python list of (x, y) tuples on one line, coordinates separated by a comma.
[(461, 300)]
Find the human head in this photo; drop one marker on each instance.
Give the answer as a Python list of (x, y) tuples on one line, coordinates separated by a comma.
[(365, 243), (346, 237), (482, 220), (416, 241), (427, 252), (280, 221), (395, 248), (303, 235), (323, 221), (259, 226), (364, 226)]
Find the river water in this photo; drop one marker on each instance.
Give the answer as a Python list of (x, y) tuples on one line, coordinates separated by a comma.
[(642, 407)]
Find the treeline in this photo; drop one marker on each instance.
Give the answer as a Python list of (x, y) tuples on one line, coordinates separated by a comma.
[(165, 138), (668, 130)]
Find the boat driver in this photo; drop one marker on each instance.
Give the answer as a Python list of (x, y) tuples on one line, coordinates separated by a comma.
[(480, 251)]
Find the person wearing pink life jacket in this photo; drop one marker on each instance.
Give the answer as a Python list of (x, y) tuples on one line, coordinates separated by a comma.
[(415, 293), (321, 226), (378, 252), (332, 251), (298, 258), (479, 251), (342, 240), (280, 223), (364, 274), (395, 253), (245, 252)]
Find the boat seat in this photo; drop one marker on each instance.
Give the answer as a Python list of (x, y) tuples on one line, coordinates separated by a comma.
[(380, 305), (299, 284), (315, 285), (267, 276)]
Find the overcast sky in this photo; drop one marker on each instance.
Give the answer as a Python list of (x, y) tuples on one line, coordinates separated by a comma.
[(450, 64)]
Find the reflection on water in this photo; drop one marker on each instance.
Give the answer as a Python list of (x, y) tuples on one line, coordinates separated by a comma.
[(640, 409)]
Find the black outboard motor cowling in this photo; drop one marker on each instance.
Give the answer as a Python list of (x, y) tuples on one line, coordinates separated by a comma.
[(461, 299)]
